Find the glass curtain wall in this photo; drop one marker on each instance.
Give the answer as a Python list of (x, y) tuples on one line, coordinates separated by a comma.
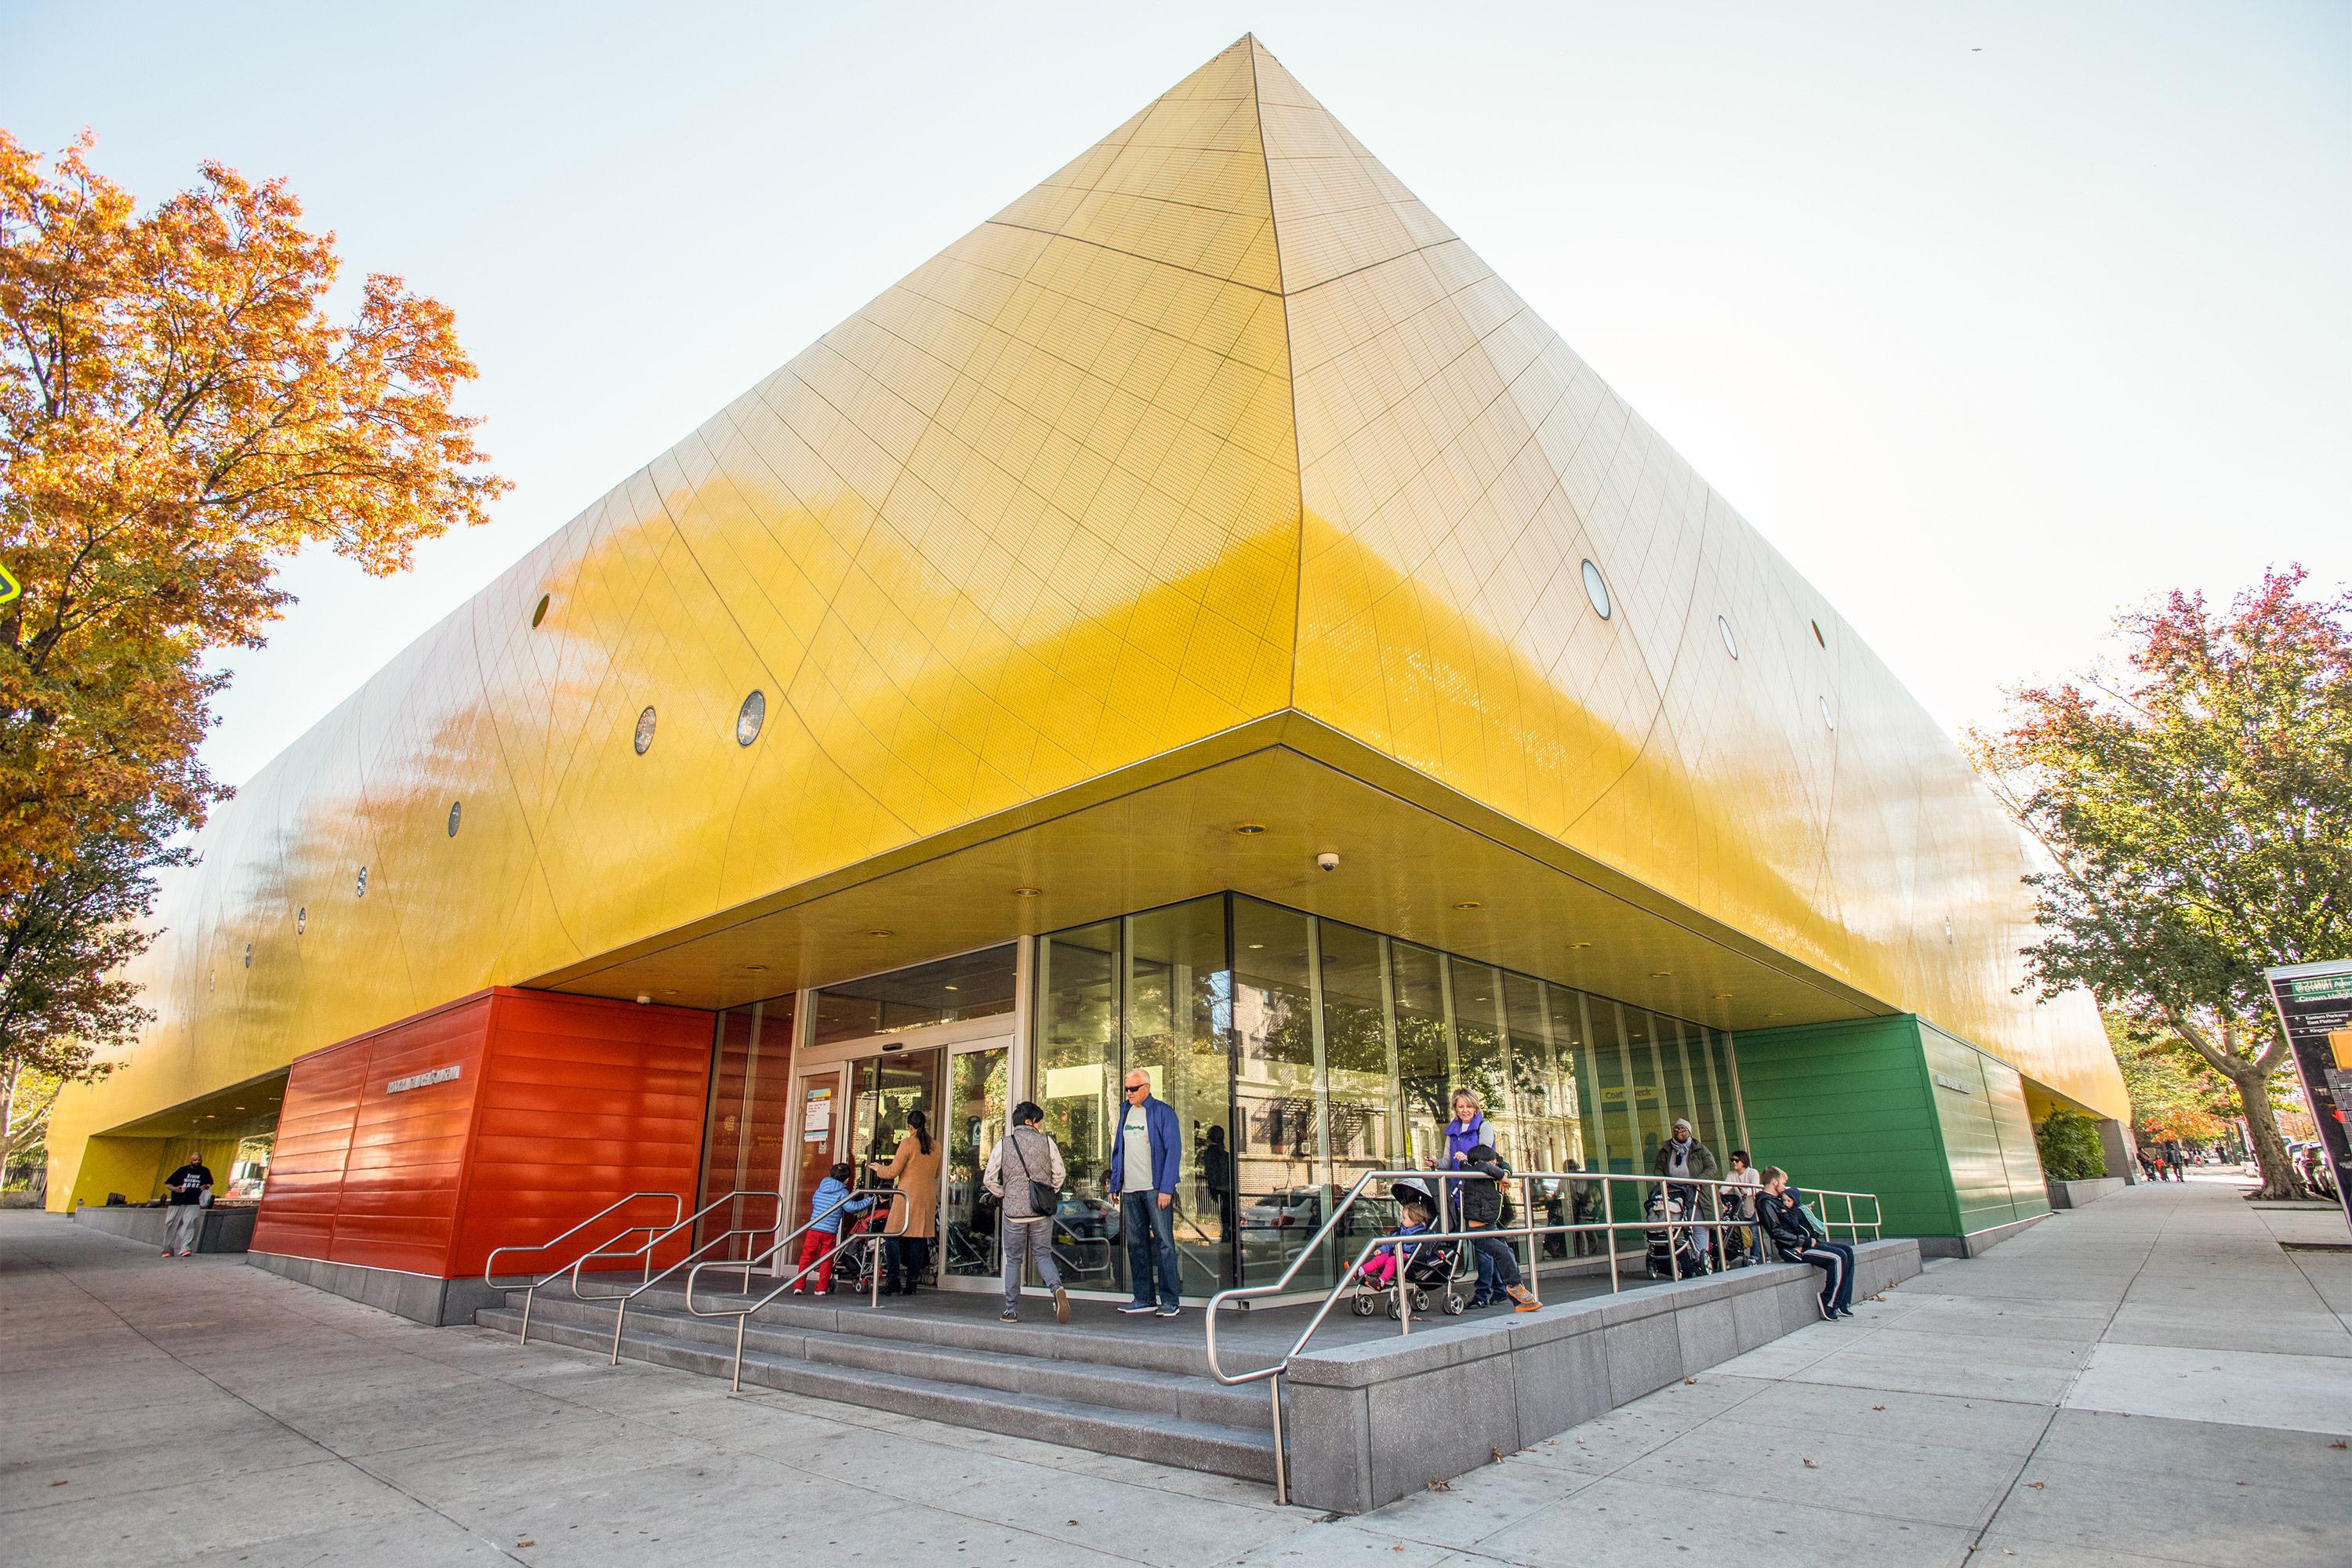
[(1299, 1053)]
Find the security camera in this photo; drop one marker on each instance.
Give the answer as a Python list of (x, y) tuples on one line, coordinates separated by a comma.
[(1327, 861)]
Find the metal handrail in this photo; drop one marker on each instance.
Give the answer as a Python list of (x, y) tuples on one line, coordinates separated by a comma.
[(749, 1260), (621, 1313), (530, 1287), (1609, 1225), (742, 1315)]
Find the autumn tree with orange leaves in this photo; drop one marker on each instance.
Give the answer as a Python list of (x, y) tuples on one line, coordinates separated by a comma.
[(2196, 804), (179, 415)]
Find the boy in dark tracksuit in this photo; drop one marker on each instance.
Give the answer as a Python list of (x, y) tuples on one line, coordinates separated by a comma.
[(1481, 1209)]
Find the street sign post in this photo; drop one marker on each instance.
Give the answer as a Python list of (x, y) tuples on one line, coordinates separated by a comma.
[(2315, 1008)]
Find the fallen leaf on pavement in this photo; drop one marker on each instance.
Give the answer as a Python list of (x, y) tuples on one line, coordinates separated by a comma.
[(1441, 1486), (1811, 1466)]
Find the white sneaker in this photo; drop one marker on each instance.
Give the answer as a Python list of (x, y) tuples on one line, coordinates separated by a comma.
[(1168, 1312), (1134, 1306)]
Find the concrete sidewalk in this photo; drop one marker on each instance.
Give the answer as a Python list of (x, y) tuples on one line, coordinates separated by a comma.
[(202, 1411), (2150, 1379)]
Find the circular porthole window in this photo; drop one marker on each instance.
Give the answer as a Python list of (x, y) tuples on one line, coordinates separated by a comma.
[(456, 809), (302, 919), (248, 955), (1827, 717), (644, 735), (749, 717), (1596, 589), (538, 612), (1723, 629), (361, 891)]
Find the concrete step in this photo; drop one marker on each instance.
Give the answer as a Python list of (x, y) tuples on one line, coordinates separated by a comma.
[(1143, 1345), (1045, 1417), (1009, 1364)]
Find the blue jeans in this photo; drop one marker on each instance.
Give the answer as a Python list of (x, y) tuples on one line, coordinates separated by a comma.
[(1151, 1242)]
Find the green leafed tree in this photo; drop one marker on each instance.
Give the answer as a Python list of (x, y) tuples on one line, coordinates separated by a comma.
[(64, 1005), (2195, 802)]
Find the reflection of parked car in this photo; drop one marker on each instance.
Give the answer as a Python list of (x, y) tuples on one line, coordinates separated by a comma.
[(1293, 1208), (245, 1187), (1086, 1219)]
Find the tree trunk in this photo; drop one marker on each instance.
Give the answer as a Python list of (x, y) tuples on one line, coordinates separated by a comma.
[(2280, 1179)]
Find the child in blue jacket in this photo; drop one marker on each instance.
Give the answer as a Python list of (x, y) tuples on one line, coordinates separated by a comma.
[(831, 1202)]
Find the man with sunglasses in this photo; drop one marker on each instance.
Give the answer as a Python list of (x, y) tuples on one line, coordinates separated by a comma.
[(1146, 1159)]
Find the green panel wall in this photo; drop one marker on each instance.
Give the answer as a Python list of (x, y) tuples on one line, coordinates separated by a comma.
[(1846, 1106), (1971, 1139), (2027, 1191), (1937, 1129)]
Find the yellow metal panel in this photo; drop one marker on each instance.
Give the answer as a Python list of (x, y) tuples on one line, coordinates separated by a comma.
[(1218, 424)]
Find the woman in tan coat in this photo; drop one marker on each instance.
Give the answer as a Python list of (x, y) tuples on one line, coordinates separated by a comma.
[(914, 1216)]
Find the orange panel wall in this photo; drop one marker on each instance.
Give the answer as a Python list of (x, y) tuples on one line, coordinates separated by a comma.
[(581, 1101), (561, 1105)]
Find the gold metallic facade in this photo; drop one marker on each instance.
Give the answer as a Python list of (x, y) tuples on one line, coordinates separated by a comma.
[(1216, 451)]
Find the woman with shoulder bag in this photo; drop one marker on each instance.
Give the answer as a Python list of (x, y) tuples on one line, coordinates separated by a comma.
[(1029, 1158)]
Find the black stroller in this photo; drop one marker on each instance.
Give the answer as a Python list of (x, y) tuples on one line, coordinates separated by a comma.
[(854, 1266), (1421, 1268), (1677, 1250)]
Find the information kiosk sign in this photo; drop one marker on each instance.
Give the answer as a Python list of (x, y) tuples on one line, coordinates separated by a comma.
[(2315, 1007)]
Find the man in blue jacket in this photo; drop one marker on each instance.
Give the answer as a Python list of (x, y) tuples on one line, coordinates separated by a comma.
[(1146, 1158)]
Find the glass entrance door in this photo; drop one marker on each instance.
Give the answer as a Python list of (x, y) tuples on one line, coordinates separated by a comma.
[(820, 1097), (978, 1082)]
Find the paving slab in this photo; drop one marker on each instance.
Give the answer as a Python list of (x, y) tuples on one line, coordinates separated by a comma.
[(2245, 1388)]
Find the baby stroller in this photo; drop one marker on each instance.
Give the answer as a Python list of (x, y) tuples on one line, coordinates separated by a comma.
[(1677, 1250), (1419, 1268), (854, 1266)]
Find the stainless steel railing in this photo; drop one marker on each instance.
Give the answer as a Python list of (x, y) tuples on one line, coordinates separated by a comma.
[(529, 1286), (742, 1315), (1608, 1225), (650, 1279)]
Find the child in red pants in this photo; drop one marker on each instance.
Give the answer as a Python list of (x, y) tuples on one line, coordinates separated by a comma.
[(826, 1208)]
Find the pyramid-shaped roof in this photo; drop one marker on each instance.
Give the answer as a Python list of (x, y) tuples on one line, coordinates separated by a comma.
[(1218, 426)]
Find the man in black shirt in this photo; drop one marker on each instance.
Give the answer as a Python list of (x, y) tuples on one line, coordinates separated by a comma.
[(184, 1189)]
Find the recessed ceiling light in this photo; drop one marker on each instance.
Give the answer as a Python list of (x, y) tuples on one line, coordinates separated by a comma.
[(1257, 946), (1660, 974), (1027, 893), (1250, 828), (955, 987), (1467, 904), (236, 1108), (1580, 944)]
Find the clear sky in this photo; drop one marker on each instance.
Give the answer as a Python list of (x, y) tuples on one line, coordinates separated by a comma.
[(1993, 318)]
